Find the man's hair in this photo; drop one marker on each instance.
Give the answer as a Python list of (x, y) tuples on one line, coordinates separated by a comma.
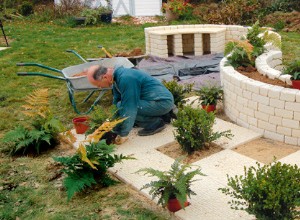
[(99, 72)]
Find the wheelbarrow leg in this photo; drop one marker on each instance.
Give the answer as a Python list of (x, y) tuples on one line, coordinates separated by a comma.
[(89, 96)]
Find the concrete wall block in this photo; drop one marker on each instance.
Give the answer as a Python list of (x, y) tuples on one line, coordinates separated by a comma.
[(274, 136), (275, 91), (252, 121), (243, 117), (275, 120), (277, 103), (241, 100), (252, 87), (288, 95), (298, 96), (263, 90), (284, 113), (262, 116), (247, 94), (266, 126), (296, 133), (291, 140), (256, 129), (290, 123), (253, 105), (261, 99), (273, 74), (297, 116), (284, 130), (242, 123), (266, 109), (292, 106), (248, 111)]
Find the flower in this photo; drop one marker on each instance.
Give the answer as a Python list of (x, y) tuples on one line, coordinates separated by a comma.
[(179, 7)]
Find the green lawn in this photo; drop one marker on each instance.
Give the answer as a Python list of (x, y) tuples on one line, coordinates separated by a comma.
[(25, 189)]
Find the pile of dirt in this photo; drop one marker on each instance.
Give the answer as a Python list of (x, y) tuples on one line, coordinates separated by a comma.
[(133, 53), (290, 21)]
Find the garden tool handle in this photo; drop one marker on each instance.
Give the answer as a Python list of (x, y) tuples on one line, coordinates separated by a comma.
[(20, 64), (22, 73), (105, 51)]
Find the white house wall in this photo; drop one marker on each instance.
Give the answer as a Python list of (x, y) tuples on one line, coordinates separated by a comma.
[(131, 7)]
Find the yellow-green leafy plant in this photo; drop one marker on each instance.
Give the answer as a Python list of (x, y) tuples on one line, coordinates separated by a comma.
[(270, 192), (89, 165), (41, 134)]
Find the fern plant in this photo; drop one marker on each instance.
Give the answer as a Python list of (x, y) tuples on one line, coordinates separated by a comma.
[(41, 134), (194, 129), (89, 166), (174, 183), (90, 163)]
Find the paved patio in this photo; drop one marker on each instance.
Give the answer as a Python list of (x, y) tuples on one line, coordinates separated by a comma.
[(209, 203)]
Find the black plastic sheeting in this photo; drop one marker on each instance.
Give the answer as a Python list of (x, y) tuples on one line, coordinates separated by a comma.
[(200, 70)]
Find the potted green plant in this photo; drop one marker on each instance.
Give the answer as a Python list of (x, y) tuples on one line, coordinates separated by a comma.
[(209, 96), (106, 12), (173, 186), (293, 69), (269, 192)]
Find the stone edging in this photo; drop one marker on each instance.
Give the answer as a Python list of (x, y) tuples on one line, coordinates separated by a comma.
[(270, 110)]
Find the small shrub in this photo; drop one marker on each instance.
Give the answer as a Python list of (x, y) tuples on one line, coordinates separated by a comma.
[(210, 95), (26, 9), (270, 192), (194, 129), (91, 16), (178, 91)]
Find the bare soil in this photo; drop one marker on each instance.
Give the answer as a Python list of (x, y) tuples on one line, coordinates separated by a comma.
[(174, 151), (266, 150)]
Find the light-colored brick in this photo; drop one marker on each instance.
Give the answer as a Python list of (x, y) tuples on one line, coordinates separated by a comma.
[(266, 126), (261, 116), (275, 91), (288, 95), (252, 121), (253, 105), (274, 136), (290, 123), (277, 103), (292, 106), (260, 99), (297, 116), (266, 109), (290, 140), (284, 113), (284, 130), (275, 120), (296, 133)]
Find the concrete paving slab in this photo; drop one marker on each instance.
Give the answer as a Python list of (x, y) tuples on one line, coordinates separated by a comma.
[(4, 48), (292, 159)]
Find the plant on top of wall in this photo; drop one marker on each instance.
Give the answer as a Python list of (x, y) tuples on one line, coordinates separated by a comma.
[(242, 53), (293, 69), (194, 129), (270, 192)]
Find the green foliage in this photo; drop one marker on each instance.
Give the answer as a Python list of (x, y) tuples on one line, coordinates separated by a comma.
[(41, 134), (26, 9), (270, 192), (174, 183), (194, 128), (178, 91), (80, 173), (244, 52), (293, 69), (209, 95), (91, 16), (99, 115)]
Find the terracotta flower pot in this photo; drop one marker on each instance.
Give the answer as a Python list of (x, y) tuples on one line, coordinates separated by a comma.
[(296, 84), (81, 124), (209, 108), (174, 205)]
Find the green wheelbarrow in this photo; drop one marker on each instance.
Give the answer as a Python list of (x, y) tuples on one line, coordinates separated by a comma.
[(79, 83)]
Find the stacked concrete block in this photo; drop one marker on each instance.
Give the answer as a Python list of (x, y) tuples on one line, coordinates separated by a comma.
[(178, 51), (217, 42), (271, 110)]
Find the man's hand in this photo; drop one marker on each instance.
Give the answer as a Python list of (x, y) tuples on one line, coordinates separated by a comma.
[(120, 140), (110, 137)]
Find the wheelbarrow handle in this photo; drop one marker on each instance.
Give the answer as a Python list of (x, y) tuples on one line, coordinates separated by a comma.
[(40, 74), (41, 66), (76, 54)]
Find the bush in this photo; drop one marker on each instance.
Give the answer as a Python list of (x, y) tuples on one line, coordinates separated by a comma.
[(178, 91), (194, 128), (293, 69), (270, 192), (26, 9)]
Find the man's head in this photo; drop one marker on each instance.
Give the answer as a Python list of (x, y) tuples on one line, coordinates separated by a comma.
[(100, 76)]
